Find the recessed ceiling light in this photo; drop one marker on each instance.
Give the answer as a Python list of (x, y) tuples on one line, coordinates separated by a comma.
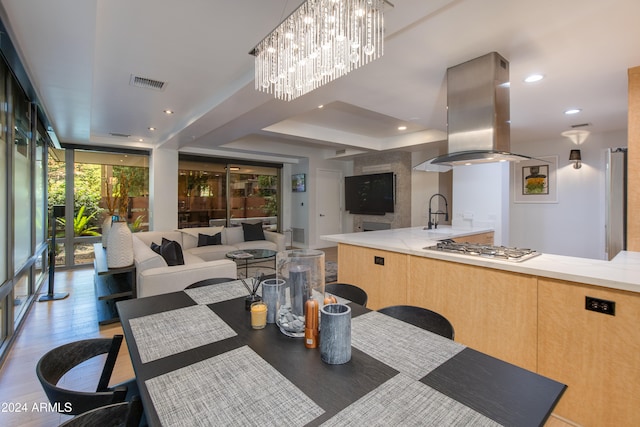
[(573, 111), (140, 140), (152, 128), (320, 106), (402, 128), (533, 78), (168, 111)]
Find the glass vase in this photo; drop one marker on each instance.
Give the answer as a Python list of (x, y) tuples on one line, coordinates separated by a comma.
[(303, 273)]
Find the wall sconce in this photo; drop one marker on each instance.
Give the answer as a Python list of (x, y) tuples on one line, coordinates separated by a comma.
[(576, 158)]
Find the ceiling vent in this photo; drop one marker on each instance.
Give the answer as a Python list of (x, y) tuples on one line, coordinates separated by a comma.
[(147, 83), (581, 125), (119, 135)]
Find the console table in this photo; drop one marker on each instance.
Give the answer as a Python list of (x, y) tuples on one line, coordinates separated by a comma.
[(111, 285)]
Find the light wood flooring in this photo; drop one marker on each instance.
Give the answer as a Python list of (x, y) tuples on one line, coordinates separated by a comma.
[(50, 324)]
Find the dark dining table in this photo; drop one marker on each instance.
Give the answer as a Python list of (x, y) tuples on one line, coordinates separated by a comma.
[(198, 362)]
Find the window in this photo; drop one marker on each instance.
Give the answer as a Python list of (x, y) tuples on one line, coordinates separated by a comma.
[(56, 192), (20, 296), (4, 175), (227, 193), (104, 183), (21, 179), (39, 187)]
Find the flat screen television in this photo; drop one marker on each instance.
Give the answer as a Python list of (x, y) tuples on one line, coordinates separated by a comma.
[(372, 194)]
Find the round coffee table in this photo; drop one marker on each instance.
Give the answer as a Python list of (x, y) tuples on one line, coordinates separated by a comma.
[(252, 255)]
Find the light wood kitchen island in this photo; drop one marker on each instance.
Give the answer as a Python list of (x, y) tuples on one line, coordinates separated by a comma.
[(530, 313)]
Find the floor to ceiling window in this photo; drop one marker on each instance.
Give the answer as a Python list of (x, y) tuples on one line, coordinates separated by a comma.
[(4, 194), (227, 192), (21, 177), (100, 184), (23, 213)]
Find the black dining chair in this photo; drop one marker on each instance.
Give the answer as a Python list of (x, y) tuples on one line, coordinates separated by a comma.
[(350, 292), (422, 318), (125, 414), (57, 362), (207, 282)]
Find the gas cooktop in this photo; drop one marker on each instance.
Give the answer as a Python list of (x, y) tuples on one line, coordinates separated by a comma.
[(487, 251)]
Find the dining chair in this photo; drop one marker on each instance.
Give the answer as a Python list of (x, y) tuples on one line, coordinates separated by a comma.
[(422, 318), (57, 362), (350, 292), (212, 281), (125, 414)]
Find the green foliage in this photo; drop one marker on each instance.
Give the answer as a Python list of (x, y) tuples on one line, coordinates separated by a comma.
[(136, 225), (86, 183), (267, 185), (81, 224), (271, 205), (137, 179)]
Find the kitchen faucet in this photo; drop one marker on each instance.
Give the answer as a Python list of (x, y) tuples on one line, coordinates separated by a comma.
[(434, 224)]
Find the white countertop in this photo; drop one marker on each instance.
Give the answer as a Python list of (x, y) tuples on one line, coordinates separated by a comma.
[(623, 272)]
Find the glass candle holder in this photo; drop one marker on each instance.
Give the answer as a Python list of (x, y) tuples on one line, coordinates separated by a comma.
[(303, 273), (258, 315)]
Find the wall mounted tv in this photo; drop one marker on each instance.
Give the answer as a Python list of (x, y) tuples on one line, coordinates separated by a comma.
[(370, 194)]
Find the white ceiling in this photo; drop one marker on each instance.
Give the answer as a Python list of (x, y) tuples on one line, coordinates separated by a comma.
[(81, 54)]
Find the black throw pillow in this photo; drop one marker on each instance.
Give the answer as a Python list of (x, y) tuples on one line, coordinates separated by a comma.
[(206, 240), (171, 251), (156, 247), (253, 232)]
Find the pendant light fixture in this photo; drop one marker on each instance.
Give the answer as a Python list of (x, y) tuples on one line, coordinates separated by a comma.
[(319, 42)]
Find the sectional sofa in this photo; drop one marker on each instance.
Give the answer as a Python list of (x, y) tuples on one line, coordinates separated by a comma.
[(203, 251)]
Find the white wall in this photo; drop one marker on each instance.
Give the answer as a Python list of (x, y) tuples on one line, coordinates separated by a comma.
[(574, 225), (318, 161), (299, 202), (423, 186), (481, 198), (163, 189)]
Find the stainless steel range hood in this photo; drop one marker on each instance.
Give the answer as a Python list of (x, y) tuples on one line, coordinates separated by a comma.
[(477, 115)]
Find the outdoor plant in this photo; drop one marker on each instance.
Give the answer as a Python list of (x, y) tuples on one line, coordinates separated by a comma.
[(136, 225), (81, 224)]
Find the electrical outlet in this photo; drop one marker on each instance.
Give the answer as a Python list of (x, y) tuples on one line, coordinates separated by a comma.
[(378, 260), (600, 305)]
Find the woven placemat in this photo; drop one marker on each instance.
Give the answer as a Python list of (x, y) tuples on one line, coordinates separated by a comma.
[(402, 401), (219, 292), (406, 348), (235, 388), (191, 327)]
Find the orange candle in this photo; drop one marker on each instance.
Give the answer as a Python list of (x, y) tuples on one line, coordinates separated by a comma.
[(258, 315)]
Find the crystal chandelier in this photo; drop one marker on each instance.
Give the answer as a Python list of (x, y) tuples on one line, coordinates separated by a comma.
[(319, 42)]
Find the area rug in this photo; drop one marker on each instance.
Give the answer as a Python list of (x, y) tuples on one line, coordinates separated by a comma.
[(330, 271)]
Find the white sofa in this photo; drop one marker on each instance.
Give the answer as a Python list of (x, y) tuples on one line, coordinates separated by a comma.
[(232, 239), (155, 277)]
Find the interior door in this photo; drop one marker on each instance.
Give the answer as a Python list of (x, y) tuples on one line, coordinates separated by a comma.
[(329, 202)]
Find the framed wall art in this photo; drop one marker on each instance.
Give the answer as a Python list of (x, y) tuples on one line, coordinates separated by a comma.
[(298, 183), (536, 180)]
